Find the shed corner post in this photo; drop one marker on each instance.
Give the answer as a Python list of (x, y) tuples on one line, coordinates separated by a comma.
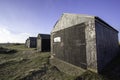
[(52, 44), (91, 50)]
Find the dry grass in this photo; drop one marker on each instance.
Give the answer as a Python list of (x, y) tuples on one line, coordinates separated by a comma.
[(27, 64)]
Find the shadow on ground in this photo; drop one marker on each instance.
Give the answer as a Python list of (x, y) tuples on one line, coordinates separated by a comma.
[(7, 51)]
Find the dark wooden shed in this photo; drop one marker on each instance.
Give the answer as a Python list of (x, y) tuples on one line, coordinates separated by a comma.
[(43, 42), (31, 42), (84, 41)]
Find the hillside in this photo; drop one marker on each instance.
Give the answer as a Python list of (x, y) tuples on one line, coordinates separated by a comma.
[(27, 64)]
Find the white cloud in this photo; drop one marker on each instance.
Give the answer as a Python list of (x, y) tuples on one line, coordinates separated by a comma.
[(3, 30), (7, 36)]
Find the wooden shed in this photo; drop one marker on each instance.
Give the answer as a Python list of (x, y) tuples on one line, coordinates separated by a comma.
[(43, 42), (84, 41), (31, 42), (27, 42)]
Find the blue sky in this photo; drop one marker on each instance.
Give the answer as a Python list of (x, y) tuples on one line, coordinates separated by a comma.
[(20, 19)]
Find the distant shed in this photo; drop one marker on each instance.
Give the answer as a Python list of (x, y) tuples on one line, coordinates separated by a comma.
[(31, 42), (27, 42), (43, 42), (84, 41)]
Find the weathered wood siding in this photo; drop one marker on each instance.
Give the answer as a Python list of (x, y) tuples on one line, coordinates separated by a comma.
[(72, 47), (43, 42), (84, 41), (107, 44), (33, 42)]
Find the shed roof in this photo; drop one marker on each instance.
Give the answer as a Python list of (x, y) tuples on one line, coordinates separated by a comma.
[(32, 37), (44, 36), (99, 19), (68, 20)]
